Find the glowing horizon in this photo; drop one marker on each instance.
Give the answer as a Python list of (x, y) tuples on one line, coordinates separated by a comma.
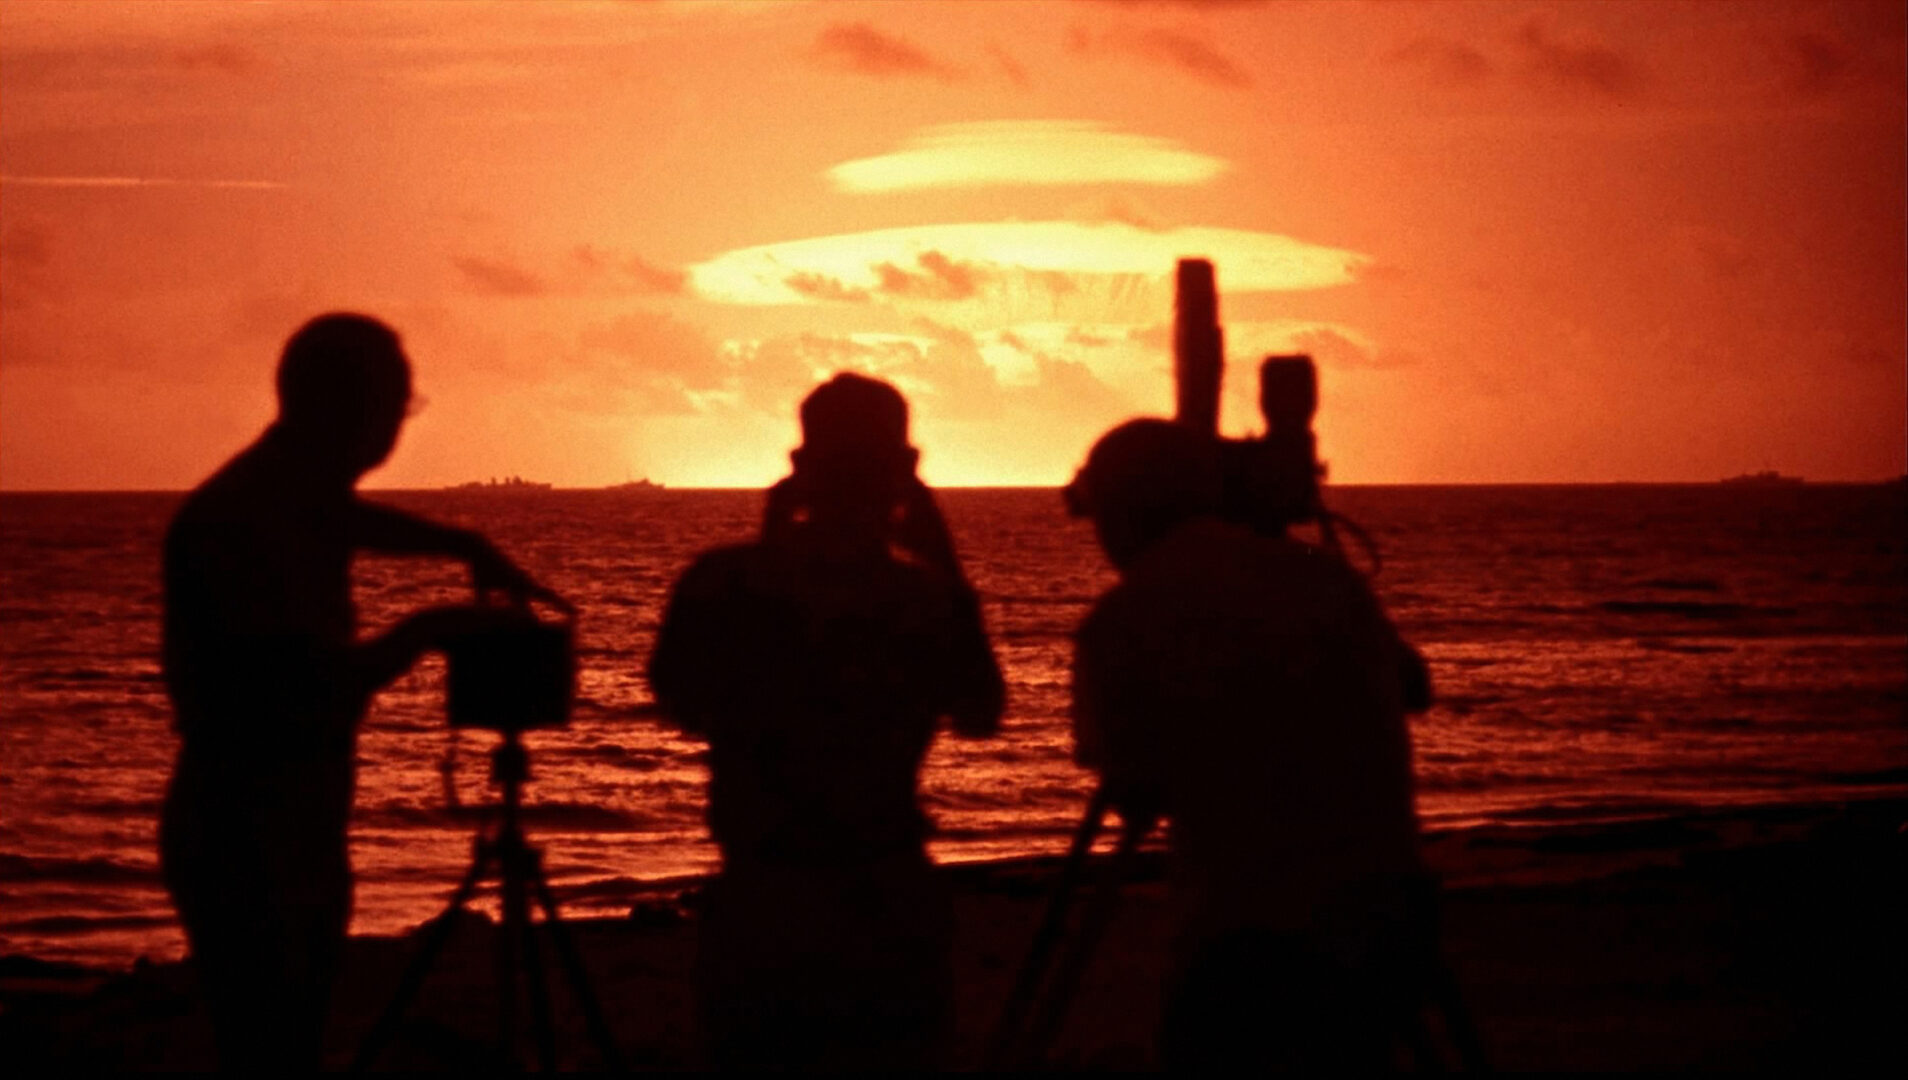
[(622, 240)]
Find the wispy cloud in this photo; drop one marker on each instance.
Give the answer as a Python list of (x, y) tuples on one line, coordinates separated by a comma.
[(1576, 61), (498, 278), (138, 182), (1030, 152), (860, 48), (1452, 63), (1183, 52), (221, 58)]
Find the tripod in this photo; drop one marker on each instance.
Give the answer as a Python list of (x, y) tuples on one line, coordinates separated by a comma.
[(519, 869), (1018, 1042)]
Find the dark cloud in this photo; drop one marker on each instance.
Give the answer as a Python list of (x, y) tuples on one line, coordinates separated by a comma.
[(497, 278), (649, 277), (26, 244), (1812, 65), (222, 59), (823, 287), (1013, 69), (939, 278), (26, 261), (1444, 61), (860, 48), (1575, 62), (1713, 253), (1173, 49)]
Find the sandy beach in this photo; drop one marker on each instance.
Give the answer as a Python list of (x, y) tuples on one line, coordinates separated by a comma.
[(1766, 938)]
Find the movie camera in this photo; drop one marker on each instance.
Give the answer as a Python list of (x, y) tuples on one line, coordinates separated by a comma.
[(516, 674), (1271, 482)]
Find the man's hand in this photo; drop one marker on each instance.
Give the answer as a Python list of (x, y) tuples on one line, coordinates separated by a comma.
[(923, 532), (492, 571)]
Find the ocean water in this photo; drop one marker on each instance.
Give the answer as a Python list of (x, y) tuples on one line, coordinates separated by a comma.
[(1599, 653)]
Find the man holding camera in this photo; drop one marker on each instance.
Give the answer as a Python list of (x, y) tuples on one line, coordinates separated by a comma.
[(269, 683), (1249, 687), (818, 661)]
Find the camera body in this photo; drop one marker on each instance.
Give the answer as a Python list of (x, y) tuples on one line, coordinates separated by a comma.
[(513, 676)]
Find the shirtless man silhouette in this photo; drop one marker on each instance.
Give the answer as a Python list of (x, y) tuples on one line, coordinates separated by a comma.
[(269, 683)]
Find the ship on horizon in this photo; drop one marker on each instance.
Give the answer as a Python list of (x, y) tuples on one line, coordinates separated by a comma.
[(635, 487), (508, 483), (1765, 478)]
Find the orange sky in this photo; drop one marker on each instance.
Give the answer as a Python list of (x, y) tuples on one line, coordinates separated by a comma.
[(1526, 242)]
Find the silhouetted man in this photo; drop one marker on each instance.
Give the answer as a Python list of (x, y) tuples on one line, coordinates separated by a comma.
[(1250, 688), (269, 683), (818, 661)]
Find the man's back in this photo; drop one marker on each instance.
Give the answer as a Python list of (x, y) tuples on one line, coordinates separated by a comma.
[(1254, 684), (818, 684), (258, 609)]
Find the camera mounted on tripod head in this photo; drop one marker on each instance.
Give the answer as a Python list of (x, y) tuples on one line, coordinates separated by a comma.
[(514, 674), (1269, 483)]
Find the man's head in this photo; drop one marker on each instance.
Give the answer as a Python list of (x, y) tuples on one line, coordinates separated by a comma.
[(344, 385), (1142, 480), (854, 443)]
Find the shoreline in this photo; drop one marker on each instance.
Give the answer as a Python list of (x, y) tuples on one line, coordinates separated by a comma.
[(1535, 851), (1727, 938)]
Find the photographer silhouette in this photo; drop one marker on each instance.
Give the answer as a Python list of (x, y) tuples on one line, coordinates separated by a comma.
[(269, 683), (817, 661), (1249, 687)]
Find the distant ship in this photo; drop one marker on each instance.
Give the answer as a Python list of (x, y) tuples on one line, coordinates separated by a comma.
[(635, 487), (510, 484), (1765, 478)]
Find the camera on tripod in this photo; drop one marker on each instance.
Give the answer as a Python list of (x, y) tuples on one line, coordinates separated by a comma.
[(514, 675), (1270, 483)]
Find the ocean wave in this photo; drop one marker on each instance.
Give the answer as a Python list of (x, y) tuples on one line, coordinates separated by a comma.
[(554, 817), (80, 924), (1693, 609), (1682, 584), (97, 871)]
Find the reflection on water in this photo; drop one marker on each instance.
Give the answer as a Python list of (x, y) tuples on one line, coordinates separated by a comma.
[(1598, 652)]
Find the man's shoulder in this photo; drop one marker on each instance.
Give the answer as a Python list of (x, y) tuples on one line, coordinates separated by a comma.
[(723, 570)]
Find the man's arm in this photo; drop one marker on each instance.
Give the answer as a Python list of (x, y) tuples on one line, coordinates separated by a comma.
[(977, 693), (1116, 722), (375, 527), (684, 675)]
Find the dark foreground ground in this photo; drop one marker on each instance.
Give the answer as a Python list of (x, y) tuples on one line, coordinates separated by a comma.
[(1755, 940)]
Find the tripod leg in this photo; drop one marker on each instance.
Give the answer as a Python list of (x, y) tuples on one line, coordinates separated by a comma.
[(542, 1027), (1033, 969), (1457, 1020), (507, 943), (579, 979), (413, 978), (1067, 981)]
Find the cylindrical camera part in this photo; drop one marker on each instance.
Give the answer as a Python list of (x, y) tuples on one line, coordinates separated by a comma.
[(1198, 346), (1288, 392)]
